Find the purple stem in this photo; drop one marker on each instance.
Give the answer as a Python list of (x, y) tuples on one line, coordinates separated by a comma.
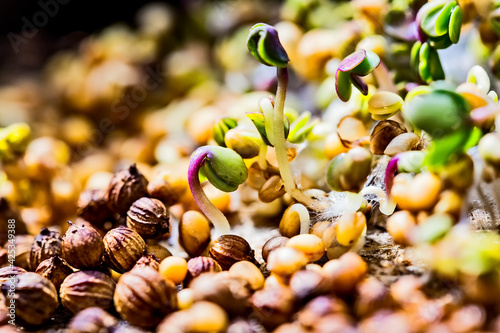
[(218, 219), (390, 173)]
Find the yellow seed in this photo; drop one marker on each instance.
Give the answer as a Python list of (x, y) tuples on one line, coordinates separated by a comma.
[(350, 227), (402, 143), (194, 232), (272, 189), (419, 193), (200, 124), (351, 129), (345, 273), (473, 95), (285, 261), (249, 272), (334, 146), (401, 226), (384, 102), (290, 223), (311, 245), (314, 267), (174, 268), (244, 142), (319, 228), (450, 202), (185, 298), (207, 317), (275, 281)]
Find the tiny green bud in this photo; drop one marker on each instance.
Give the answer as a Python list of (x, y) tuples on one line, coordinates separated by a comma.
[(220, 129), (440, 22), (264, 44), (263, 121), (301, 128), (350, 71), (225, 169)]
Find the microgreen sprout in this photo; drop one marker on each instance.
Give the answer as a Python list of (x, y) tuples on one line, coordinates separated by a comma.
[(351, 70), (224, 169), (264, 44)]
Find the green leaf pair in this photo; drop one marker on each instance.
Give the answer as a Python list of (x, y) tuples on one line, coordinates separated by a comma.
[(264, 44), (264, 123), (425, 61), (220, 129), (224, 169), (301, 128), (350, 71), (440, 21)]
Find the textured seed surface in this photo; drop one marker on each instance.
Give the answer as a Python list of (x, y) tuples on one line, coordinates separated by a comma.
[(86, 289)]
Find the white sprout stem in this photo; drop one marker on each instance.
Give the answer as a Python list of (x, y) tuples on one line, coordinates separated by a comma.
[(267, 109), (387, 205), (354, 201), (218, 219), (279, 142), (304, 217)]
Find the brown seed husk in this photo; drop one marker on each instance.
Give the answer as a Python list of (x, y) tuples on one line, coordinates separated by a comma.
[(35, 298), (127, 186), (123, 247), (82, 246), (46, 244), (143, 297), (87, 289)]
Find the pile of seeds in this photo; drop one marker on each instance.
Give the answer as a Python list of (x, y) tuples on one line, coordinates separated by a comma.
[(151, 182)]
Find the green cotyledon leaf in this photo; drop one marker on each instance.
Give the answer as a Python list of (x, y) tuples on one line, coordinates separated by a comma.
[(225, 169)]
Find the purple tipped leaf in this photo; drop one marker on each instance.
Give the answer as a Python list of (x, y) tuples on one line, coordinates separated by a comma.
[(343, 85), (368, 64), (351, 61)]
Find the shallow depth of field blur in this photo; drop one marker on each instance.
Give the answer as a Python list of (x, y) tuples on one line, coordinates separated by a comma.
[(88, 91)]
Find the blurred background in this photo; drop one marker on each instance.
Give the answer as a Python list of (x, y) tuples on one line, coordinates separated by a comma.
[(62, 24)]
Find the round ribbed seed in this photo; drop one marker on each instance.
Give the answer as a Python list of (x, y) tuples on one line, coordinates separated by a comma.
[(143, 297), (35, 298), (87, 289), (123, 247), (149, 218)]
